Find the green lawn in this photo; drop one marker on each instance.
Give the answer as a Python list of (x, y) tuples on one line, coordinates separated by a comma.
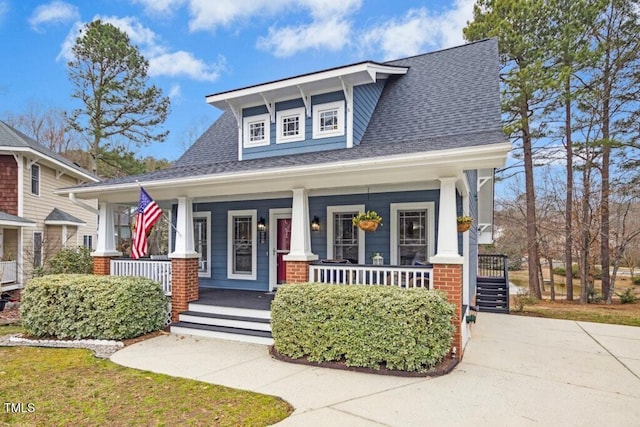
[(73, 387)]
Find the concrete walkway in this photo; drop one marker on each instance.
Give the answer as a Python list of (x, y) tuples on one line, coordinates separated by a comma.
[(516, 371)]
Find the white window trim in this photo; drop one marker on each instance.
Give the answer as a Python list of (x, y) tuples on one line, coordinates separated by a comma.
[(330, 231), (206, 215), (319, 108), (254, 246), (35, 165), (247, 121), (431, 216), (281, 115)]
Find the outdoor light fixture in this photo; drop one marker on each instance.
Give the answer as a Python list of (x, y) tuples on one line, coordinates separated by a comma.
[(262, 230), (315, 224)]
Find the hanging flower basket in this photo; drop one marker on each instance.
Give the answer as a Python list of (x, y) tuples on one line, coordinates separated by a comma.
[(368, 225), (367, 221), (464, 223)]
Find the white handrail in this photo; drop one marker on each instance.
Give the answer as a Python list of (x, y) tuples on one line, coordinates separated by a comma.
[(349, 274), (8, 272), (160, 271)]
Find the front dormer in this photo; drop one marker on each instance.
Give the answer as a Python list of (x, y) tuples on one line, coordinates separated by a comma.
[(313, 112)]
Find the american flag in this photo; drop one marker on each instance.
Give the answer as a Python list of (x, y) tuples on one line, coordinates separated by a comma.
[(148, 214)]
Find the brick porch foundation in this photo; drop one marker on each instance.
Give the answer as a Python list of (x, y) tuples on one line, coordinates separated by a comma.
[(101, 265), (184, 284), (297, 271), (448, 278)]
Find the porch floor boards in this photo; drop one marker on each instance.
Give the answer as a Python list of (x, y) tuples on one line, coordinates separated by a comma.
[(255, 300)]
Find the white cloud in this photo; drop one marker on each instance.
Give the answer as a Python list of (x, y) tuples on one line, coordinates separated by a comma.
[(175, 93), (183, 63), (160, 7), (419, 29), (331, 35), (54, 12), (162, 61)]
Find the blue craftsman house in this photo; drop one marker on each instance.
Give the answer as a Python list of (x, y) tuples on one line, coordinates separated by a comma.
[(268, 193)]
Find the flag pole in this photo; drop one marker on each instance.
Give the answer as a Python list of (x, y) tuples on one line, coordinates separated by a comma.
[(163, 215)]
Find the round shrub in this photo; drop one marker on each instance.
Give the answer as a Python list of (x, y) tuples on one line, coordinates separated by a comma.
[(80, 306), (71, 261), (363, 325)]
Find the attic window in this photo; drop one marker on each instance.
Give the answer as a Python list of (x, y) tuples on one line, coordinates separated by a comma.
[(290, 125), (256, 130), (328, 119)]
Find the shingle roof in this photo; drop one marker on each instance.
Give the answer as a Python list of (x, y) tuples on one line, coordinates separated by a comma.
[(5, 217), (447, 99), (57, 215), (12, 137)]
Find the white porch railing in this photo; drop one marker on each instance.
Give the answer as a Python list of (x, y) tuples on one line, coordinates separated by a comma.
[(8, 272), (350, 274), (160, 271)]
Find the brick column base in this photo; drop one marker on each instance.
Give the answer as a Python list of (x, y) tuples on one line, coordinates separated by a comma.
[(297, 271), (184, 285), (448, 278), (101, 265)]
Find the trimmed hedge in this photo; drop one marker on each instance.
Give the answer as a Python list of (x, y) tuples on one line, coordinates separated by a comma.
[(365, 326), (97, 307)]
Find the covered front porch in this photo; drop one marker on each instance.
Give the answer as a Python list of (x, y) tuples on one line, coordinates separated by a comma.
[(12, 253), (258, 229)]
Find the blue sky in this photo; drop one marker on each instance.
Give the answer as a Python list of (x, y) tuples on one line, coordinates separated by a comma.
[(199, 47)]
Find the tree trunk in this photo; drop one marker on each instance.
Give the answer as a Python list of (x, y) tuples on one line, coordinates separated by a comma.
[(532, 236), (552, 282), (605, 255), (568, 213)]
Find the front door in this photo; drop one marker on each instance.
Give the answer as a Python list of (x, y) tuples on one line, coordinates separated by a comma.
[(279, 246)]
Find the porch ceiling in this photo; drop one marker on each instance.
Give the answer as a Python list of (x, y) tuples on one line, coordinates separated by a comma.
[(392, 170)]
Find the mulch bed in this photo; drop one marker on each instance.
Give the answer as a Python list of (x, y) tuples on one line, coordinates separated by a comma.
[(442, 368)]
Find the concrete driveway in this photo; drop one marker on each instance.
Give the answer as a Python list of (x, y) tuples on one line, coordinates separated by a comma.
[(515, 371)]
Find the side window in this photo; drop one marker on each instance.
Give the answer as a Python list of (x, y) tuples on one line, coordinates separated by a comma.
[(37, 249), (35, 179), (328, 119), (345, 240)]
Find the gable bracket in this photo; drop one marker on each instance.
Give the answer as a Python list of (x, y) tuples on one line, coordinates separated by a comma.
[(307, 101), (236, 114), (348, 93), (483, 181), (59, 173), (271, 108), (31, 162)]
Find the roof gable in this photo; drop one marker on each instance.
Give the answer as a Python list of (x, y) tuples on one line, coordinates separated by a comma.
[(12, 139)]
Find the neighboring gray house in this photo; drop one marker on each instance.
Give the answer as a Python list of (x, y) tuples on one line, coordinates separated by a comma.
[(270, 189)]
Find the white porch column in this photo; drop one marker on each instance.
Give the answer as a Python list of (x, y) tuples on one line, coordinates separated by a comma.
[(300, 249), (184, 247), (106, 244), (447, 225)]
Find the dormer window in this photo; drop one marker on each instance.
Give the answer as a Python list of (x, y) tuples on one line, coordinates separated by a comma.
[(290, 125), (257, 130), (328, 119)]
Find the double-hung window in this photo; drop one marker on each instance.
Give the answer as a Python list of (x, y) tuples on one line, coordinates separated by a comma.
[(344, 240), (241, 245), (290, 125), (202, 241), (412, 233), (35, 180), (328, 119), (38, 249), (256, 130)]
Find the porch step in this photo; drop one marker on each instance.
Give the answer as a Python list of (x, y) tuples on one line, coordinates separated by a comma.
[(231, 311), (492, 295), (230, 323), (222, 332)]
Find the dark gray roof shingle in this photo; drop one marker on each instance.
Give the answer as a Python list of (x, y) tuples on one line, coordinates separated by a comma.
[(447, 99), (12, 218), (58, 215)]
